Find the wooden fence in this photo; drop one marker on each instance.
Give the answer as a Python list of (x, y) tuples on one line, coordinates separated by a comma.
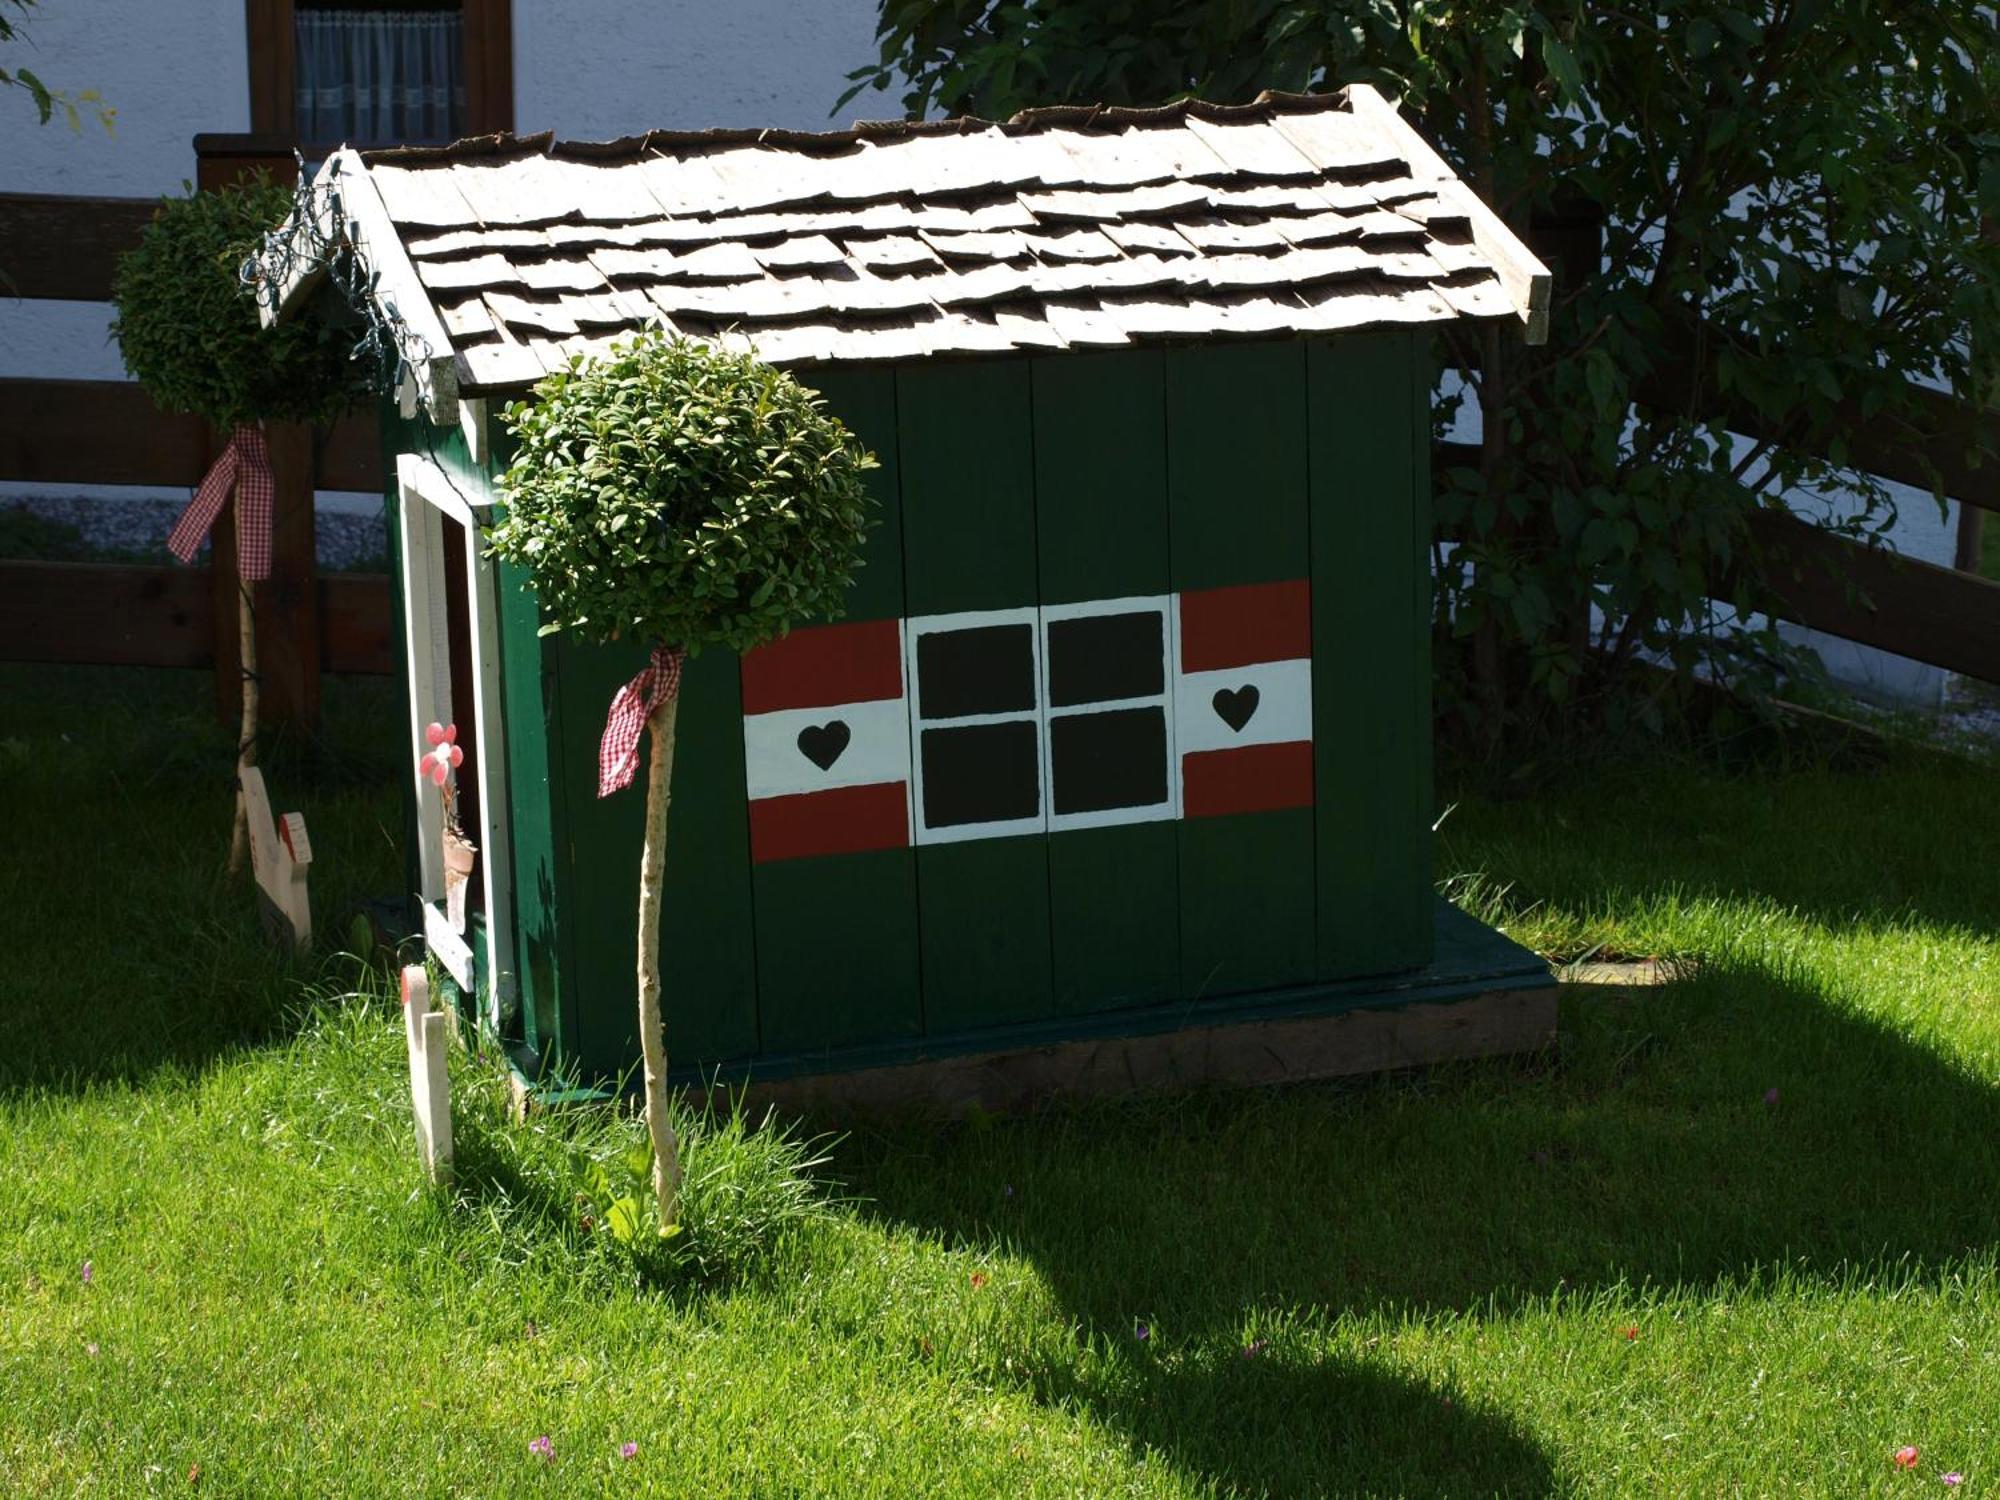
[(104, 432), (79, 432)]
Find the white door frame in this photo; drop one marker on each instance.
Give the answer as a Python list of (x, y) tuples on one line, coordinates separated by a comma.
[(427, 496)]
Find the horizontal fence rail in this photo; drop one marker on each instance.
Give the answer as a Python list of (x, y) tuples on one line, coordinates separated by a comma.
[(1865, 594), (158, 615), (66, 248), (59, 432)]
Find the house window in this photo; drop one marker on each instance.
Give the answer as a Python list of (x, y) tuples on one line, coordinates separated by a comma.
[(1109, 747), (378, 77), (977, 724), (1034, 719)]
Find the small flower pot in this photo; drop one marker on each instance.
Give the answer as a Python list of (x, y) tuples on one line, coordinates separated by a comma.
[(460, 854)]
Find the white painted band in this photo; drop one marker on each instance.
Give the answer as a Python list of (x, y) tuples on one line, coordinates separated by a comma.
[(1283, 710)]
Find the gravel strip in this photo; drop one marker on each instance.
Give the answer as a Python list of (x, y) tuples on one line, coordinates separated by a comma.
[(341, 540)]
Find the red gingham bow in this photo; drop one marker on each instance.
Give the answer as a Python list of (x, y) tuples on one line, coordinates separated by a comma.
[(246, 464), (618, 751)]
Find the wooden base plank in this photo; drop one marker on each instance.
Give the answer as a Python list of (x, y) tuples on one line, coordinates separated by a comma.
[(1292, 1050)]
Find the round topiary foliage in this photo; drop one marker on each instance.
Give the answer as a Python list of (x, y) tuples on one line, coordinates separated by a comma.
[(188, 327), (676, 493)]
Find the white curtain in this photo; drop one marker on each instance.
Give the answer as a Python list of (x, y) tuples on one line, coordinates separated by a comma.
[(379, 77)]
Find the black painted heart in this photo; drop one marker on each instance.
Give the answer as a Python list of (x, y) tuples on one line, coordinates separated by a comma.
[(823, 744), (1235, 706)]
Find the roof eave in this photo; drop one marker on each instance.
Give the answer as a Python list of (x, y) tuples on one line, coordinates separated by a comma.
[(345, 204), (1525, 279)]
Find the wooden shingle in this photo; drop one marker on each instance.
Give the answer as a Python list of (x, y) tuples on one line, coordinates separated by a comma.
[(1078, 228)]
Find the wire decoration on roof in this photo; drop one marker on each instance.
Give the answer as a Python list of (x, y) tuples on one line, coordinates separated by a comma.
[(311, 240)]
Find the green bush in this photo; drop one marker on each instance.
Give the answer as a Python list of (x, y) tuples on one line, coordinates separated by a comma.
[(188, 327), (679, 494)]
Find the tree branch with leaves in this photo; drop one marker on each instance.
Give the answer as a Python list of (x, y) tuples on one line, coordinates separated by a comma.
[(1789, 195)]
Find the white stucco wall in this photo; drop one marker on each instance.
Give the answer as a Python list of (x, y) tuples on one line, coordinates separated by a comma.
[(173, 69), (620, 67)]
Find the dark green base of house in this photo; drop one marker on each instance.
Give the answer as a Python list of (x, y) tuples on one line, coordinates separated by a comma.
[(1481, 995)]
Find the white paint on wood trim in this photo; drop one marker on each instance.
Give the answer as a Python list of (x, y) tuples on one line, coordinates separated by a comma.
[(421, 478), (1166, 606), (429, 495), (446, 946), (1526, 279), (373, 234), (490, 742), (1283, 713), (472, 422), (877, 750), (416, 529), (279, 857), (914, 630), (427, 1035)]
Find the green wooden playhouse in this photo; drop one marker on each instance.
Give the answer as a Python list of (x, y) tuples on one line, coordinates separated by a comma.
[(1116, 768)]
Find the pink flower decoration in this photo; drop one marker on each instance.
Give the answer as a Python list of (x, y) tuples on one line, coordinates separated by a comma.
[(444, 756), (1906, 1457), (1952, 1480), (628, 1450), (543, 1448)]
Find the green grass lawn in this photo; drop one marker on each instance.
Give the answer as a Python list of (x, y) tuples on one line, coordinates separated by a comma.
[(1624, 1268)]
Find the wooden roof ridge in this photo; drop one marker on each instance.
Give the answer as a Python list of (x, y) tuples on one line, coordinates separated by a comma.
[(488, 149)]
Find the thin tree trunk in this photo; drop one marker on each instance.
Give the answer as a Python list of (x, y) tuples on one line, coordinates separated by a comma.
[(652, 1039), (246, 740)]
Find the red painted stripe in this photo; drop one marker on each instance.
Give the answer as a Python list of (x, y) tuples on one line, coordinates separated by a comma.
[(1237, 626), (1256, 778), (842, 820), (824, 665)]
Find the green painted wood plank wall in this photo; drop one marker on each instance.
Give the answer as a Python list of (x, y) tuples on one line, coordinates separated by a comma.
[(1371, 650), (965, 441), (1101, 533), (1239, 513), (1005, 483), (837, 957)]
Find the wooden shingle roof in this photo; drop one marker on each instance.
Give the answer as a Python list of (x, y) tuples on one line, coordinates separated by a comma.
[(1061, 228)]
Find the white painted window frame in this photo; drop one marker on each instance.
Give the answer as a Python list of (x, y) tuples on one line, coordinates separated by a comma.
[(1167, 607), (914, 630), (427, 496)]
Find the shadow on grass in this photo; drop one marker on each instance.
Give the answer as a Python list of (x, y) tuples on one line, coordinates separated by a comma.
[(1644, 1152), (128, 948)]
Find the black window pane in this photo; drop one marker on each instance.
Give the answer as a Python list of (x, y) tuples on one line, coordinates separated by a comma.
[(1107, 760), (981, 773), (1107, 656), (989, 669)]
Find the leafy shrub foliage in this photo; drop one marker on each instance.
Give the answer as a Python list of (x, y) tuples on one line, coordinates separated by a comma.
[(677, 493), (188, 328), (1789, 193)]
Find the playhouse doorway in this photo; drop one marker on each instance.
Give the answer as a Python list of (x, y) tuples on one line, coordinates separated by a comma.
[(452, 654)]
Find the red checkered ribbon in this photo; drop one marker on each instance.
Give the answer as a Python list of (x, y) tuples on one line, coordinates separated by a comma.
[(618, 751), (245, 465)]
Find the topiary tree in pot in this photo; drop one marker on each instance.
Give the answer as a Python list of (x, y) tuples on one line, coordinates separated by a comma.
[(188, 330), (686, 497)]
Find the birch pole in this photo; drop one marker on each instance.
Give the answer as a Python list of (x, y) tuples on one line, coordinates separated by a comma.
[(246, 738), (652, 1039)]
